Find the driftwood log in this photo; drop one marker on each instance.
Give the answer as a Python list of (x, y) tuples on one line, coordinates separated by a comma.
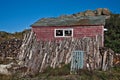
[(38, 55)]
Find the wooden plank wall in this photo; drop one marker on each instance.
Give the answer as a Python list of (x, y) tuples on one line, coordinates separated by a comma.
[(37, 56)]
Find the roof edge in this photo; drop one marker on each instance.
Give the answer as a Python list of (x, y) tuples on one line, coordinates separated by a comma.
[(71, 25)]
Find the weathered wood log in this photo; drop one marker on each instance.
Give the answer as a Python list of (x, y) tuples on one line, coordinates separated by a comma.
[(104, 61)]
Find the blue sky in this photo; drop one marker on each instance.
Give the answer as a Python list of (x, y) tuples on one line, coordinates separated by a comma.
[(17, 15)]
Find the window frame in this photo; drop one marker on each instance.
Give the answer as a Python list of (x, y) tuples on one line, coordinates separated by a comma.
[(63, 32)]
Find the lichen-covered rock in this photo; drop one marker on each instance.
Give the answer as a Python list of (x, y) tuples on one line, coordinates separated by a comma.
[(89, 13), (106, 11), (99, 11), (4, 68)]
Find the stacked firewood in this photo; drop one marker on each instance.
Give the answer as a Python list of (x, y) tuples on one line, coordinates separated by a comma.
[(10, 48), (107, 58), (116, 60), (37, 56)]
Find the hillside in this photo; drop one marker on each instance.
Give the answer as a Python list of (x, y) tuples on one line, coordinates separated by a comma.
[(7, 36), (112, 36)]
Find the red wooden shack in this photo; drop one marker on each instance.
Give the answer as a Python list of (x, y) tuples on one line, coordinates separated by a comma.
[(76, 27)]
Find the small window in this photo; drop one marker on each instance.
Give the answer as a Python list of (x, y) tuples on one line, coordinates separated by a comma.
[(63, 32), (59, 32), (68, 32)]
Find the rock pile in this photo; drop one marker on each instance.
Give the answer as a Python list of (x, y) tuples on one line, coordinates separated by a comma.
[(10, 48), (97, 12)]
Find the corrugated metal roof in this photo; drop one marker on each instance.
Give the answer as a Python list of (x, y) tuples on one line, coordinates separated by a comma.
[(68, 21)]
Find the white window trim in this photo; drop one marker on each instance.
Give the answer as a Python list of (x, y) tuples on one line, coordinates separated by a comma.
[(63, 32)]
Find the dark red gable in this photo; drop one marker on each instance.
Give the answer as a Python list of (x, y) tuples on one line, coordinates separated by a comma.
[(47, 33)]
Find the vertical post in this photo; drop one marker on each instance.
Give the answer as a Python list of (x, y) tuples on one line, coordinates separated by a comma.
[(102, 36)]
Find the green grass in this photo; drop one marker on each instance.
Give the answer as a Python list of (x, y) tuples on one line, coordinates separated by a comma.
[(5, 77), (64, 74)]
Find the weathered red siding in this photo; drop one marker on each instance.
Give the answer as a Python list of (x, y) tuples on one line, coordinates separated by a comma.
[(47, 33), (88, 31)]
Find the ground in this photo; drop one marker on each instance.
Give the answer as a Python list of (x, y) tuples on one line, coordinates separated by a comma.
[(63, 74)]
